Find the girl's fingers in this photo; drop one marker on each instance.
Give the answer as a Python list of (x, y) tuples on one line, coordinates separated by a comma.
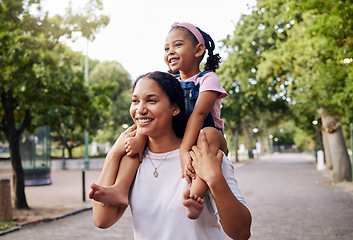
[(190, 167), (187, 177), (189, 174), (131, 130)]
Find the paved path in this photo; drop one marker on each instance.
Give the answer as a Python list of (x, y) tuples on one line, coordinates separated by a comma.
[(289, 200), (75, 227)]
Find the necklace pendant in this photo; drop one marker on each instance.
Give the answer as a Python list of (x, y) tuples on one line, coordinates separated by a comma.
[(155, 173)]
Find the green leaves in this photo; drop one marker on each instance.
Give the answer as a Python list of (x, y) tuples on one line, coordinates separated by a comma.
[(89, 20), (37, 70), (295, 50), (251, 97), (111, 85)]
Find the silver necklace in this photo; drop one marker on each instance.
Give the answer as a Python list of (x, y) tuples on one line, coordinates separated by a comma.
[(155, 173)]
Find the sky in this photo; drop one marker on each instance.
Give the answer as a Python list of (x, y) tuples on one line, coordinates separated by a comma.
[(137, 30)]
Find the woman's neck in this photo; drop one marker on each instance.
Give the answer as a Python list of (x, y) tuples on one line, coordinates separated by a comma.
[(163, 144)]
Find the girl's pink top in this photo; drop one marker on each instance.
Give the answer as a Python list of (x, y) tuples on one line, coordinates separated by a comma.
[(211, 82)]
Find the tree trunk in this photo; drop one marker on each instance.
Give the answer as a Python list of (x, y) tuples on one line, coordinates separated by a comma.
[(341, 164), (327, 152), (69, 150), (320, 145), (19, 198), (251, 142), (235, 133), (13, 137)]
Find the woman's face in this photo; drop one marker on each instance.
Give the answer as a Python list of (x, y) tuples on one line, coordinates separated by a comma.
[(151, 109)]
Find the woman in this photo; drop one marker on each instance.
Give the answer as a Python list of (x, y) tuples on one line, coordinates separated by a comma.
[(157, 108)]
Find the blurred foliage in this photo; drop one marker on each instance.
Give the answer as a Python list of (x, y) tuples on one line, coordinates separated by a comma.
[(39, 84), (295, 54), (109, 80)]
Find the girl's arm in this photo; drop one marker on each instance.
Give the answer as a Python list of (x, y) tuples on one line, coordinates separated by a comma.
[(203, 106), (234, 216), (105, 215)]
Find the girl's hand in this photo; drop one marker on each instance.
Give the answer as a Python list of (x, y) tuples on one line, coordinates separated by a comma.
[(135, 145), (206, 165), (187, 170), (119, 145)]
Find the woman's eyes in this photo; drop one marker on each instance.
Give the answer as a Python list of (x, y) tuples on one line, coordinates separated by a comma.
[(148, 100)]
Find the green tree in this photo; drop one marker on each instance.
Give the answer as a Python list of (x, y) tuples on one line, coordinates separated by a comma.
[(36, 72), (249, 97), (112, 83), (312, 60), (68, 117)]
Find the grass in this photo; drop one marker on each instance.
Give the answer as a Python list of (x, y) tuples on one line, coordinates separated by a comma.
[(78, 152), (6, 225)]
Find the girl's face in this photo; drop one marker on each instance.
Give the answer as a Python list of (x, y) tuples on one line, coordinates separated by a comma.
[(151, 109), (180, 51)]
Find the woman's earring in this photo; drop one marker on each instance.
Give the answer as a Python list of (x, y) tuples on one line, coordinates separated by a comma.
[(176, 112)]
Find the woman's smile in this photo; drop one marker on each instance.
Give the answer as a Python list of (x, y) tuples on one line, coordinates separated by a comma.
[(143, 121)]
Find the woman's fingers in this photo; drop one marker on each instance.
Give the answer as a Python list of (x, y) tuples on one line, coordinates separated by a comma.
[(204, 142)]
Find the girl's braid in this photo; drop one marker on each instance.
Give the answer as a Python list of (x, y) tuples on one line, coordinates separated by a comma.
[(213, 60)]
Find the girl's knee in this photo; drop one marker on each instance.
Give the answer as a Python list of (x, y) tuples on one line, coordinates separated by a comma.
[(212, 133), (215, 139)]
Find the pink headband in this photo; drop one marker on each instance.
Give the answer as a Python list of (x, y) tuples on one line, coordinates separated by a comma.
[(192, 29)]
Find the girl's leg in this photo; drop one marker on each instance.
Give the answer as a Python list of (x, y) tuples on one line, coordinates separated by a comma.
[(199, 188), (117, 194)]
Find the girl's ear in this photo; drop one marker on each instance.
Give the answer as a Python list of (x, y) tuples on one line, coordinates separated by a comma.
[(200, 50)]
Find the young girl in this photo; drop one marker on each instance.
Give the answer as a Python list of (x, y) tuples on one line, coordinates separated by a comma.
[(185, 48)]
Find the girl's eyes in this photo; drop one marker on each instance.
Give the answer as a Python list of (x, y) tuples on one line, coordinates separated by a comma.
[(166, 49)]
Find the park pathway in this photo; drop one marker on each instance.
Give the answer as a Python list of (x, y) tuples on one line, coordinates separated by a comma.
[(288, 198)]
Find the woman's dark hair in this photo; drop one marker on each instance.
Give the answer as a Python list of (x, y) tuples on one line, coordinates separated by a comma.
[(213, 60), (171, 86)]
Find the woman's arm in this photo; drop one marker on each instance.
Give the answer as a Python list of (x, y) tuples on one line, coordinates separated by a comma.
[(105, 215), (203, 106), (234, 216)]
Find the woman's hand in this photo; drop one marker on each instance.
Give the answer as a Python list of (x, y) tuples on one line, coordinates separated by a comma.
[(235, 218), (206, 165)]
